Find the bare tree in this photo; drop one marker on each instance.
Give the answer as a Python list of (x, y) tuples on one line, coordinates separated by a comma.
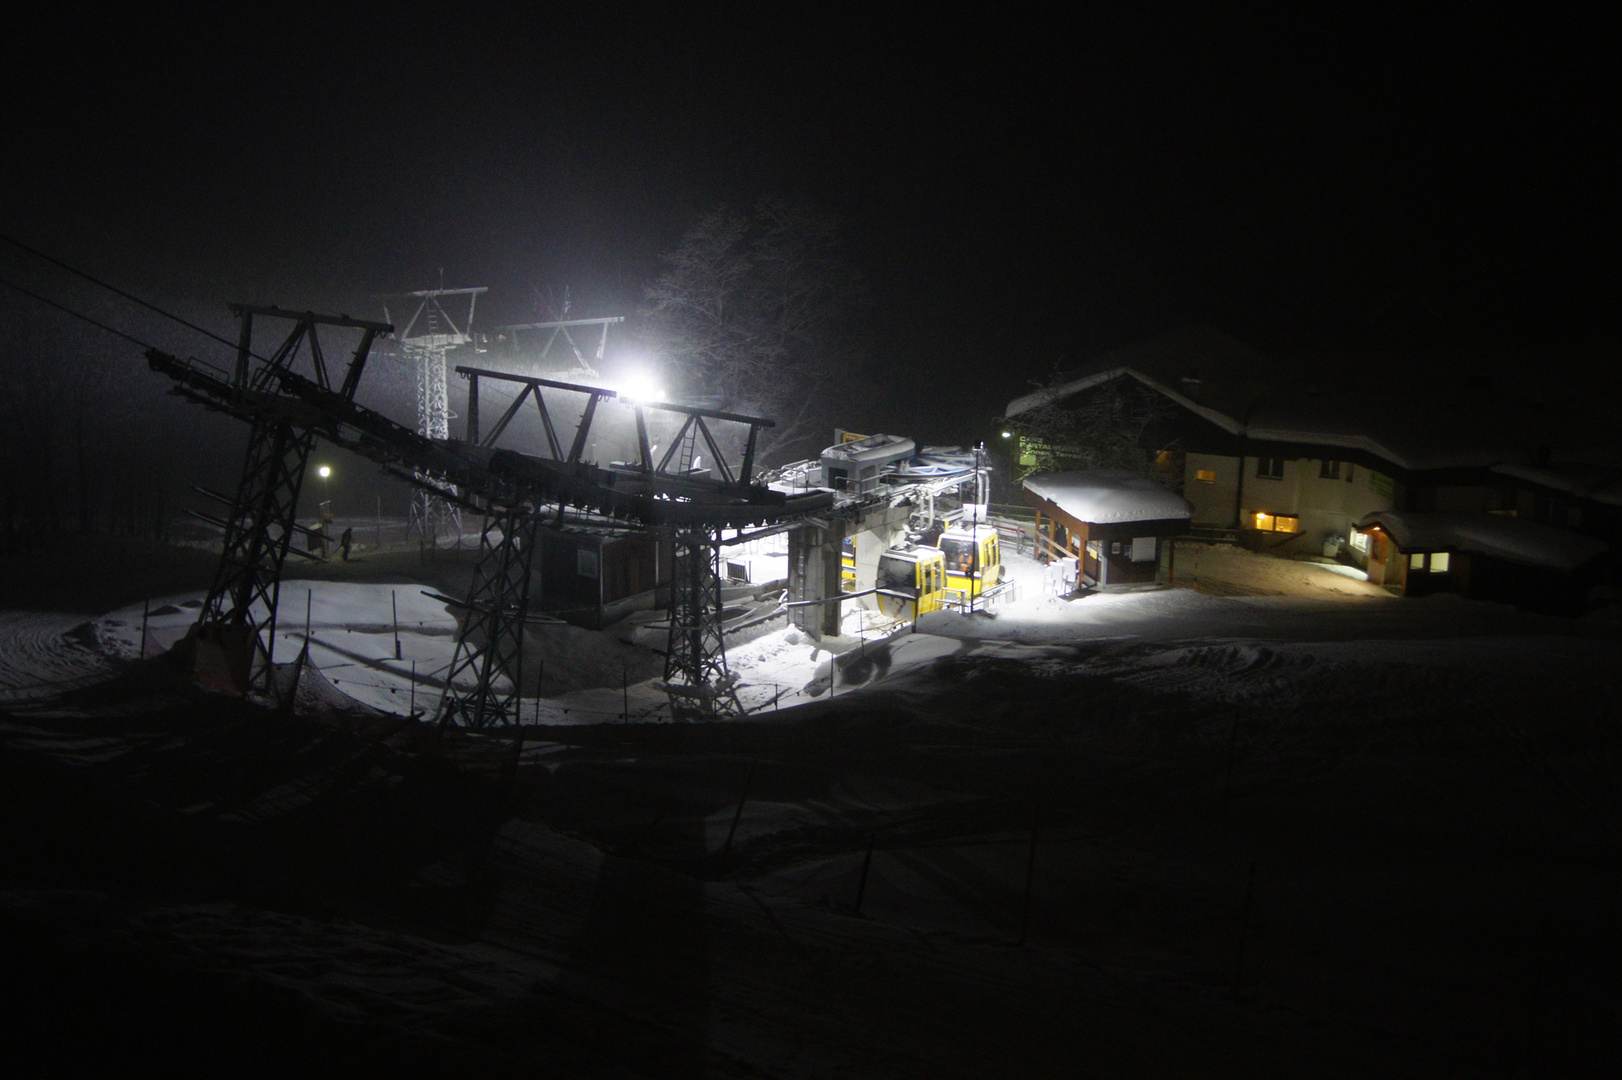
[(756, 312), (1121, 424)]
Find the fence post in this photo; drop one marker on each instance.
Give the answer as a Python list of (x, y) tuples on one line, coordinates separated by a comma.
[(1233, 747), (861, 886), (1244, 929), (1030, 876), (743, 796)]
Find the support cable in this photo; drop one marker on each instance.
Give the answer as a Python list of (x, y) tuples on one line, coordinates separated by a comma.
[(38, 254), (76, 314)]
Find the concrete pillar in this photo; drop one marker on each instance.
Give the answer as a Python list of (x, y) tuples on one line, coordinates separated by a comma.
[(813, 574)]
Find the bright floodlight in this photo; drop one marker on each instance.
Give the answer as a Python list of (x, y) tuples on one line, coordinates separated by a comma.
[(1008, 434), (641, 386), (324, 471)]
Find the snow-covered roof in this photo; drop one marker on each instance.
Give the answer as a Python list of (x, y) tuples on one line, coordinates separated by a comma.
[(1603, 485), (1199, 367), (1330, 400), (1105, 496), (880, 448), (1516, 540)]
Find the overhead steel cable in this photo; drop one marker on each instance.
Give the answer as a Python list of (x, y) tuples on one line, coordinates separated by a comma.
[(76, 314), (38, 254)]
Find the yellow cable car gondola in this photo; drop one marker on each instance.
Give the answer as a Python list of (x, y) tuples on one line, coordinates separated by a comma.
[(973, 558), (920, 574)]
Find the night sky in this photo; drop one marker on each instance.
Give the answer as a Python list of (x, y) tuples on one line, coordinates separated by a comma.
[(1017, 190)]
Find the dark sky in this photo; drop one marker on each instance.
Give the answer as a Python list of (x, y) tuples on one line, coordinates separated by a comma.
[(1016, 190)]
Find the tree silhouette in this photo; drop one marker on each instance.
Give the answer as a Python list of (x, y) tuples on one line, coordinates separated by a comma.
[(756, 312)]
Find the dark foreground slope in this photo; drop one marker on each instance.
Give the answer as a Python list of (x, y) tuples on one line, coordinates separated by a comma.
[(1241, 867)]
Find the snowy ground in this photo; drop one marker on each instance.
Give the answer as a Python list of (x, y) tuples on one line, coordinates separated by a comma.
[(1308, 830)]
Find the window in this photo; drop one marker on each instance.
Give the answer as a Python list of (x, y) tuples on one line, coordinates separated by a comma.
[(1360, 542), (1144, 549), (1205, 476), (959, 556), (1270, 468), (1439, 562), (1416, 561), (1284, 523), (585, 562), (898, 574), (1115, 547), (1328, 470)]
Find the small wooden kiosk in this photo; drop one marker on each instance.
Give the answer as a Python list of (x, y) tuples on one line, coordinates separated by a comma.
[(1113, 521)]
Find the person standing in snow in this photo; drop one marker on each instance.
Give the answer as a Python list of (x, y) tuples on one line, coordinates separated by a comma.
[(344, 541)]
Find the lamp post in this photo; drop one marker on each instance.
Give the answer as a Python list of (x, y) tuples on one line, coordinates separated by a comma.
[(325, 508)]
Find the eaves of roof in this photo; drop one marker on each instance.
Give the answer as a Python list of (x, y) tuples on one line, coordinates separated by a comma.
[(1048, 395)]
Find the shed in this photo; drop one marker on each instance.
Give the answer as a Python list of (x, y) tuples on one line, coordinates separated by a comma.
[(1114, 521), (592, 579), (1484, 556)]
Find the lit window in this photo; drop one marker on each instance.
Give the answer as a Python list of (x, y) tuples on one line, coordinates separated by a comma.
[(1205, 476), (1269, 468), (1439, 562), (1163, 459), (1285, 523), (1360, 542), (1416, 561), (1328, 470)]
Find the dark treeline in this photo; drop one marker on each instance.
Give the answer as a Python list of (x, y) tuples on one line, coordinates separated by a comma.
[(89, 440)]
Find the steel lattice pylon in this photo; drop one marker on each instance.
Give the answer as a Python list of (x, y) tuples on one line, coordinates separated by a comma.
[(247, 582), (240, 609), (431, 515), (696, 675), (428, 335), (489, 645)]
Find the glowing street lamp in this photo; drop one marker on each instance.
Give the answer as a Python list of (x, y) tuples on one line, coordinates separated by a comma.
[(324, 472), (641, 386)]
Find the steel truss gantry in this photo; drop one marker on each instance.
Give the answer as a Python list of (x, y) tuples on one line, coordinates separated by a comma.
[(560, 327), (513, 490), (239, 612), (696, 675), (490, 643)]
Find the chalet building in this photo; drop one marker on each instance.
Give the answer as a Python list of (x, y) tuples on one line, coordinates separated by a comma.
[(1485, 556), (1292, 456)]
